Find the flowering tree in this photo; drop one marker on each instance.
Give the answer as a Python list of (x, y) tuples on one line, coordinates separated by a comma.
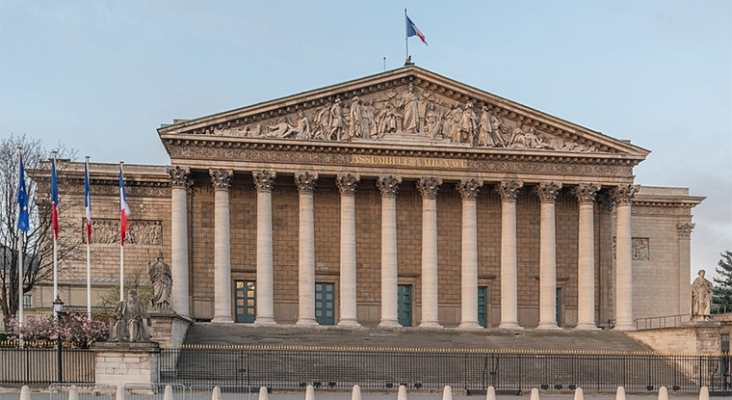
[(74, 329)]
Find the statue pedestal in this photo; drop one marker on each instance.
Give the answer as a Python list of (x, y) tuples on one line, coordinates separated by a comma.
[(117, 363), (168, 328)]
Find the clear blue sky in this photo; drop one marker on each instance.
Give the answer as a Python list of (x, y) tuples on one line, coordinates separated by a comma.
[(101, 76)]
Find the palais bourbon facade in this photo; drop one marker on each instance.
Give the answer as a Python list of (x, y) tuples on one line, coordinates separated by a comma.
[(403, 198)]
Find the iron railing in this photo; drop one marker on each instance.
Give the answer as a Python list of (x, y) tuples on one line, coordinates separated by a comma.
[(667, 321), (39, 365), (472, 370)]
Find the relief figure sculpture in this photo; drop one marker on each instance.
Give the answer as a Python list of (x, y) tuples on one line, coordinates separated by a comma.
[(388, 120), (433, 120), (410, 110), (468, 124), (337, 123), (485, 137)]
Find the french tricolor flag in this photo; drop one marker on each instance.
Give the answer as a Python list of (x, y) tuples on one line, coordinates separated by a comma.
[(54, 199), (124, 209), (87, 202), (412, 30)]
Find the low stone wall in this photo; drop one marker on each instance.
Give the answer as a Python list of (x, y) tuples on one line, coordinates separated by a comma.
[(693, 338)]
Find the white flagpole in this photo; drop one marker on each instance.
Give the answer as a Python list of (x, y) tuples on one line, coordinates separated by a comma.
[(88, 245), (121, 243), (55, 242), (21, 236)]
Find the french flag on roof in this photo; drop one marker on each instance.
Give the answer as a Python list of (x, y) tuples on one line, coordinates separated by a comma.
[(412, 30)]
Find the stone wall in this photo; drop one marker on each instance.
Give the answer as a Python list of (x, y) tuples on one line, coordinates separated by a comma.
[(120, 363)]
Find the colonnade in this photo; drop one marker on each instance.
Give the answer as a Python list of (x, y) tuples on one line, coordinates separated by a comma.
[(428, 187)]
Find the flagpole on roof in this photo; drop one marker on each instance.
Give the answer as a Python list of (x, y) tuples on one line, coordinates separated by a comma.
[(406, 35), (54, 222), (87, 207)]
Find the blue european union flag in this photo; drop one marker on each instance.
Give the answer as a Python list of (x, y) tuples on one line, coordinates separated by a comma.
[(23, 217)]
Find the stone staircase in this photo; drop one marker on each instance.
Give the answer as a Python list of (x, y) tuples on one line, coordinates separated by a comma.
[(445, 338)]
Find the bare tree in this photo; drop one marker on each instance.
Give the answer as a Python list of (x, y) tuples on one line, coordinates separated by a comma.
[(38, 242)]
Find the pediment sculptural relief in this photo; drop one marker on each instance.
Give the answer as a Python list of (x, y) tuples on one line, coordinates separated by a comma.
[(405, 113)]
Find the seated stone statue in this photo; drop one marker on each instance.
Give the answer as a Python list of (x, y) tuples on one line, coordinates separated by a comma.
[(129, 322)]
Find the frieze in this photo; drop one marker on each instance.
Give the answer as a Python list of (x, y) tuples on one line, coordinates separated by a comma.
[(131, 190), (473, 162), (106, 231)]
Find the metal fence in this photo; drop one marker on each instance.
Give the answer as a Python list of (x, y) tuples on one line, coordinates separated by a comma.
[(666, 321), (286, 368), (39, 365)]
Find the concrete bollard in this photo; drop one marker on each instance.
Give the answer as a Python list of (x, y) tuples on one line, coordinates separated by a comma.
[(263, 395), (447, 393), (490, 393), (356, 393), (25, 393), (216, 393), (534, 394), (704, 393), (620, 394), (73, 393), (309, 393), (168, 395), (579, 394), (402, 395), (120, 392), (662, 393)]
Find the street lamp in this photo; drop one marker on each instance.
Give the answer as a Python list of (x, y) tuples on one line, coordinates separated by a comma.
[(58, 306)]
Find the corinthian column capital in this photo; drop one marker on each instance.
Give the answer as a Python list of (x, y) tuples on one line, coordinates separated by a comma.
[(469, 188), (428, 187), (347, 183), (305, 181), (548, 191), (221, 178), (179, 176), (586, 192), (509, 189), (623, 194), (388, 185), (264, 180)]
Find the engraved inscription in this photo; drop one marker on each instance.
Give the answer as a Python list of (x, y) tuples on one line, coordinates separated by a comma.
[(408, 161)]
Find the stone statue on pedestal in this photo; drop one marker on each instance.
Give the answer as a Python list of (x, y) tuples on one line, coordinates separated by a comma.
[(162, 283), (701, 298)]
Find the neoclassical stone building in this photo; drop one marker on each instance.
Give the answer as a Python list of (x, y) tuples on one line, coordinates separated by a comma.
[(403, 198)]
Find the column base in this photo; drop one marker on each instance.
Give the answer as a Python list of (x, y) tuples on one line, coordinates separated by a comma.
[(389, 323), (627, 326), (222, 320), (430, 324), (307, 321), (509, 325), (548, 325), (265, 321), (348, 322), (586, 326), (469, 325)]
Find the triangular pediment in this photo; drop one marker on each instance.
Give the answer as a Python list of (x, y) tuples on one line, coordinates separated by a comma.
[(408, 106)]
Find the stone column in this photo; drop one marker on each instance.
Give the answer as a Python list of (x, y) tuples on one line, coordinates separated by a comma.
[(388, 186), (222, 246), (468, 189), (179, 238), (623, 196), (428, 188), (509, 279), (349, 311), (586, 256), (684, 230), (547, 192), (264, 181), (305, 182)]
